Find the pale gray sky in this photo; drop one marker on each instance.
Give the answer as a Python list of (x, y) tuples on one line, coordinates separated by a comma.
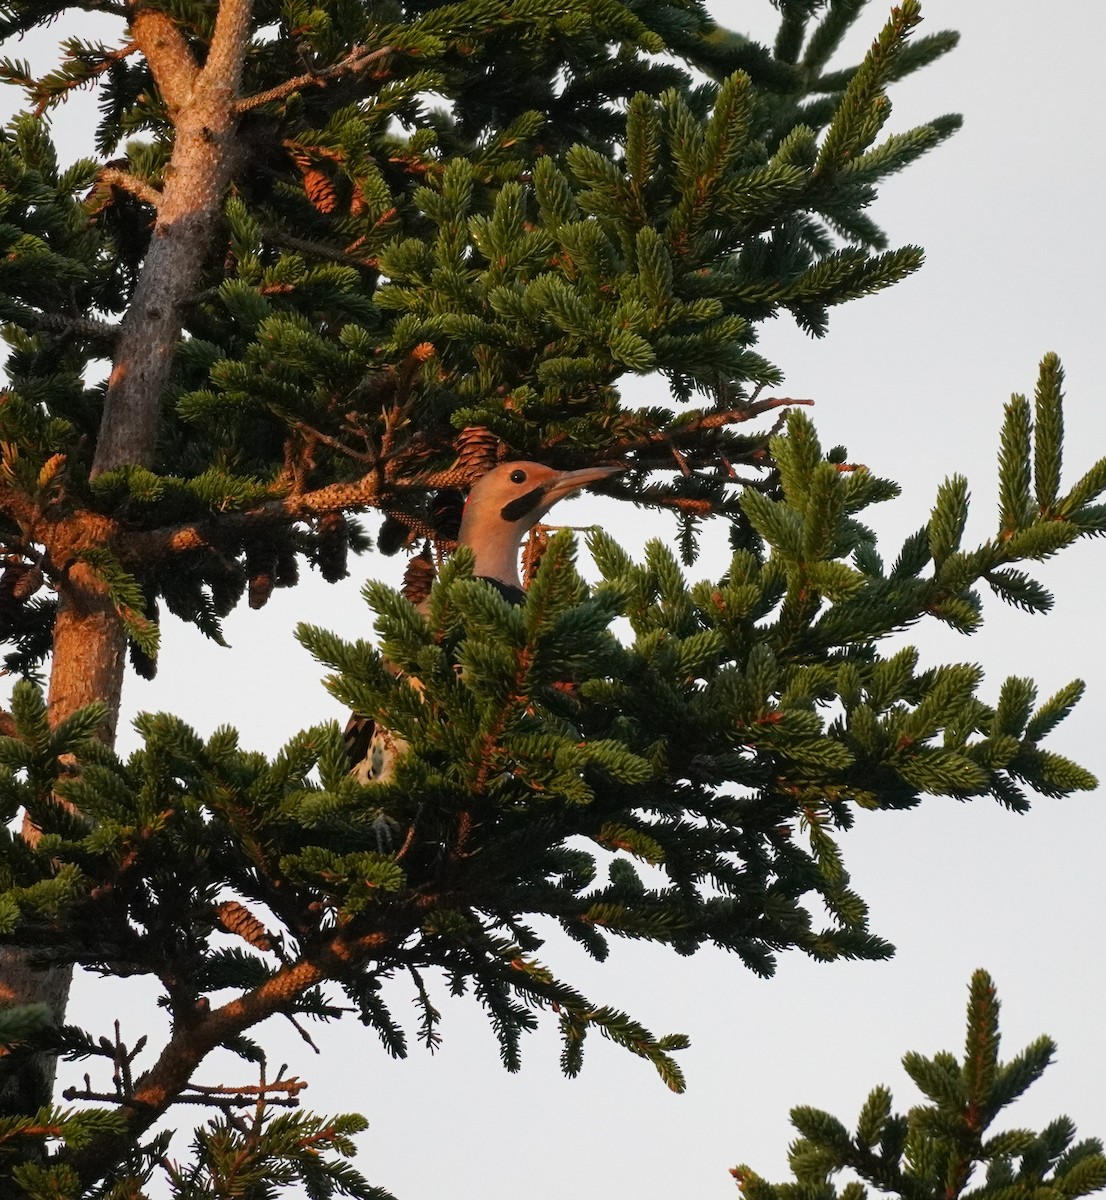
[(913, 381)]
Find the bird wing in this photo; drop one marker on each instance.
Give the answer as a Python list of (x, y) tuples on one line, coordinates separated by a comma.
[(358, 736), (508, 591)]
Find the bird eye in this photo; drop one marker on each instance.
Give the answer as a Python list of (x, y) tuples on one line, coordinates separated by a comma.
[(518, 476)]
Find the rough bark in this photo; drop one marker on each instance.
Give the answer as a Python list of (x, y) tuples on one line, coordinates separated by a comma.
[(88, 661), (89, 650), (89, 641), (189, 205)]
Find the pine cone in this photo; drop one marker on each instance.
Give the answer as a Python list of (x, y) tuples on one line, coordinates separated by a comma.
[(261, 571), (144, 665), (392, 535), (477, 450), (236, 918), (419, 576), (333, 546), (446, 507), (18, 583), (287, 573), (27, 584), (11, 581)]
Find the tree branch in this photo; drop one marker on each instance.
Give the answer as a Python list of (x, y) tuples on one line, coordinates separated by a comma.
[(320, 249), (84, 327), (371, 490), (166, 50), (111, 56), (190, 1043), (131, 183), (376, 487), (243, 1096), (222, 73), (357, 60)]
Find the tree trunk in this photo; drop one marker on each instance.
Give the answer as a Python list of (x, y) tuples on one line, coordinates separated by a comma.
[(190, 204), (89, 640), (88, 660)]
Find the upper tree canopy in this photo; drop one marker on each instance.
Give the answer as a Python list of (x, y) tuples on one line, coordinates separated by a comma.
[(442, 225)]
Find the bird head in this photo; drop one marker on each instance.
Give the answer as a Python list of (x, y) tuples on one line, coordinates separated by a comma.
[(507, 502)]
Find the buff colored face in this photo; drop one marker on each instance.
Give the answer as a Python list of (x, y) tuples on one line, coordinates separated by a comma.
[(507, 502)]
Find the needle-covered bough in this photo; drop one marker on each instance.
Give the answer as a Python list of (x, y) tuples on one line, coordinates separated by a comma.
[(502, 508)]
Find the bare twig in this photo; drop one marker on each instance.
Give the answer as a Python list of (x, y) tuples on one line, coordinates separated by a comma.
[(326, 440), (356, 60), (245, 1096), (691, 505), (734, 416), (761, 406), (223, 1096), (292, 1086), (681, 461), (666, 439), (302, 1032), (168, 1080)]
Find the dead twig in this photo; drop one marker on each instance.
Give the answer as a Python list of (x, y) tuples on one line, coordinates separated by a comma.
[(279, 1091), (324, 439), (244, 1096), (356, 60)]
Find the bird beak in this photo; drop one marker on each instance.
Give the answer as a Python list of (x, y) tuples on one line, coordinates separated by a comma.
[(572, 481)]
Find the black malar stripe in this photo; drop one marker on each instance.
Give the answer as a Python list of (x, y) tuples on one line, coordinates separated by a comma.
[(519, 507)]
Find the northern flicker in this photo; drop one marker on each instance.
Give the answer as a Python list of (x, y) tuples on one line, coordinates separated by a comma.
[(502, 508)]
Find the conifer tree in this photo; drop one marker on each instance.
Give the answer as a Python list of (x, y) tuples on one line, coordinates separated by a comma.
[(340, 258), (945, 1147)]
